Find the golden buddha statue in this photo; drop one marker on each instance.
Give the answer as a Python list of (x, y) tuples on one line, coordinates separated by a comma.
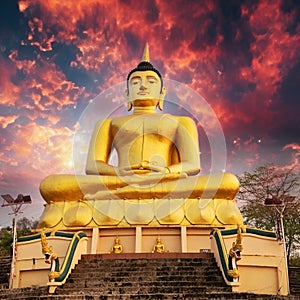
[(159, 247), (158, 158), (117, 248)]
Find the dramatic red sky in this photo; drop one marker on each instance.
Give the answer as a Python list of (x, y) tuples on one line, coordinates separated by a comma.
[(242, 57)]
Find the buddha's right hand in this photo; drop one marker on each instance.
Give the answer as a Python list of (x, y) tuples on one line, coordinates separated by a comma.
[(150, 178), (143, 168)]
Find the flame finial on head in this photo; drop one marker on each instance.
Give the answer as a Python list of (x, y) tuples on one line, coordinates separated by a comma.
[(145, 64), (146, 56)]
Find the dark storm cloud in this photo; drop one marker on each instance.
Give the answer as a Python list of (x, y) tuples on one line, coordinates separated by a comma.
[(287, 121), (152, 11), (63, 56), (290, 87), (292, 7), (10, 20), (133, 41), (235, 50)]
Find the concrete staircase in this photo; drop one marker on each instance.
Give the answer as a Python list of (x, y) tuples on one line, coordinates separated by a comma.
[(141, 276), (294, 275), (146, 276)]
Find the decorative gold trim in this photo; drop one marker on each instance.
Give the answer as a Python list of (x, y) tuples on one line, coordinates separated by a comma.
[(46, 249), (234, 273), (237, 245), (52, 275)]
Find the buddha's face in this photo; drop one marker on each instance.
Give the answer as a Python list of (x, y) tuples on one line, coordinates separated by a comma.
[(144, 88)]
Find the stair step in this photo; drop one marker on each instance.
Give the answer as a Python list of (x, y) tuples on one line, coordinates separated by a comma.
[(97, 295), (135, 286), (148, 279), (169, 296), (159, 276), (164, 278)]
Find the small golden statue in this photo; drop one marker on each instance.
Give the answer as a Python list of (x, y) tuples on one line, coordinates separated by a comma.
[(117, 248), (159, 247)]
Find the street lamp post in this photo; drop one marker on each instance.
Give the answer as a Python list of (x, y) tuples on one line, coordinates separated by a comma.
[(279, 207), (15, 205)]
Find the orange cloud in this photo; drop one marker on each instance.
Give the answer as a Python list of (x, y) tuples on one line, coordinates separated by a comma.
[(72, 50), (6, 120), (9, 92), (294, 163)]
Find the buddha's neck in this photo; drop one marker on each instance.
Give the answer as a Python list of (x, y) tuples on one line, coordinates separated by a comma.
[(144, 110)]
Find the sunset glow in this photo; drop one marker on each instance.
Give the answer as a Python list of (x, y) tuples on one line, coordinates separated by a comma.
[(56, 56)]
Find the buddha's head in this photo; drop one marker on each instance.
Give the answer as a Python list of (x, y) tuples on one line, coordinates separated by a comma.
[(145, 85)]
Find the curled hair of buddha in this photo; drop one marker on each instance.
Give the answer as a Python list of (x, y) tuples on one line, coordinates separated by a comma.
[(145, 65)]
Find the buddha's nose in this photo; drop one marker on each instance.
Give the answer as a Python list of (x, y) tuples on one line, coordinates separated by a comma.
[(143, 87)]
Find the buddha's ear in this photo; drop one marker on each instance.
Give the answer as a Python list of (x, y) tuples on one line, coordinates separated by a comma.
[(160, 103), (129, 106), (129, 103)]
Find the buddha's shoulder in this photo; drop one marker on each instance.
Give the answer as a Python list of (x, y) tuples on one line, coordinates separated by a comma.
[(122, 119), (107, 121), (180, 119)]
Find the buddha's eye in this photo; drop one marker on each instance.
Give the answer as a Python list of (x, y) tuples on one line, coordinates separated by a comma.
[(135, 81), (152, 80)]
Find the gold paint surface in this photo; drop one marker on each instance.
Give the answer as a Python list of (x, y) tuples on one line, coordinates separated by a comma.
[(158, 159)]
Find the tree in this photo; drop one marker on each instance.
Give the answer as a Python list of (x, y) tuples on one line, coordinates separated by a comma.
[(24, 227), (5, 241), (283, 186)]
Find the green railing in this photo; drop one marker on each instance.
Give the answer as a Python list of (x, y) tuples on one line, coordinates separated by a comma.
[(75, 238), (222, 252)]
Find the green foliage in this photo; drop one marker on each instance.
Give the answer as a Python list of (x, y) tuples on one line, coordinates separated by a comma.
[(295, 260), (5, 241), (269, 181), (24, 227)]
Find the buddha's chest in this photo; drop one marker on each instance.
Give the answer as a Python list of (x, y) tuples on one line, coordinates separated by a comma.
[(133, 127)]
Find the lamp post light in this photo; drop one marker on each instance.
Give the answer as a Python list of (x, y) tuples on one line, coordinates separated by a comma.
[(15, 205), (279, 208)]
